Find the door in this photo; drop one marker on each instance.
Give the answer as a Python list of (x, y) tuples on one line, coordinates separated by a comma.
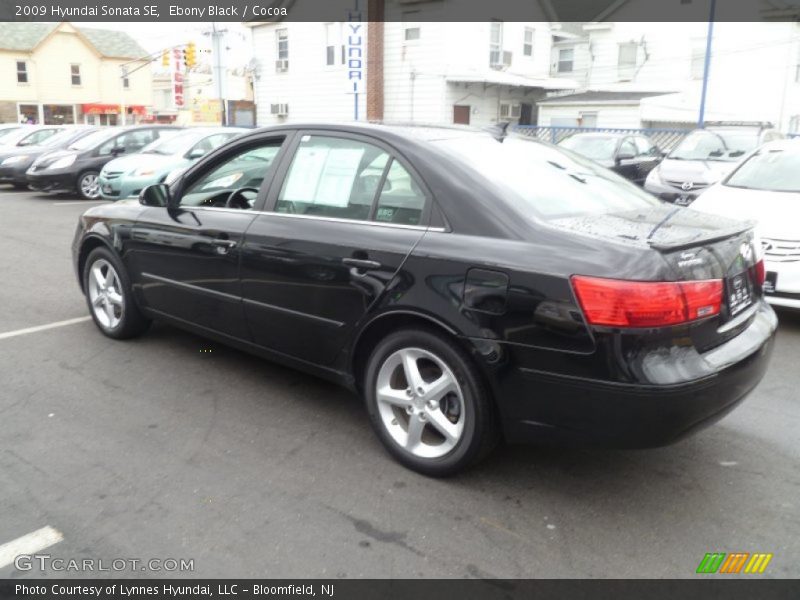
[(525, 114), (345, 216), (647, 157), (186, 258), (461, 114), (625, 159)]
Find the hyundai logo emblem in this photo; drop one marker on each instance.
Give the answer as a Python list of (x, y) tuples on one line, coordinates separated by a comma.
[(687, 185)]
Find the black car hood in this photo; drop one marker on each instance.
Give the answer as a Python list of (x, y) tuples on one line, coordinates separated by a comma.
[(661, 227), (53, 156)]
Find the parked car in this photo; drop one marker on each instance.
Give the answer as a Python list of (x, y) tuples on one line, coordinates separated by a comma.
[(15, 161), (21, 136), (468, 289), (632, 156), (702, 158), (128, 175), (77, 167), (766, 189)]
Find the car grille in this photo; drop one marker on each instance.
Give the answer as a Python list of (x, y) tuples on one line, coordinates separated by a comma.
[(694, 186), (781, 250), (112, 174)]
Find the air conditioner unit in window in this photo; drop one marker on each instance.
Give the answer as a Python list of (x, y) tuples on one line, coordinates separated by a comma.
[(279, 110), (282, 65)]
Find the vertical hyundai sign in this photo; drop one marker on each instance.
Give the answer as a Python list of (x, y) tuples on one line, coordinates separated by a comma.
[(355, 46), (177, 79)]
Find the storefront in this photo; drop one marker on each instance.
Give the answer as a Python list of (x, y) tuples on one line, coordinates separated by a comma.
[(59, 114), (111, 114)]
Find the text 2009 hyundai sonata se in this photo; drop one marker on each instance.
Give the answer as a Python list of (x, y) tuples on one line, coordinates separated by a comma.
[(471, 286)]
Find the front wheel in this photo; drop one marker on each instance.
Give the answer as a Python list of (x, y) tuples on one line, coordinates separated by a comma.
[(427, 403), (109, 296), (89, 185)]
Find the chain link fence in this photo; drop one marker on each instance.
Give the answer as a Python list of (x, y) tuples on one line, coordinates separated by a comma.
[(665, 139)]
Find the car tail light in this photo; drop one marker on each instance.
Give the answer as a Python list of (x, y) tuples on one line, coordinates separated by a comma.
[(761, 273), (617, 303)]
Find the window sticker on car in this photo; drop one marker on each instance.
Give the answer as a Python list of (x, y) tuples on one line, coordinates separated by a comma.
[(327, 175)]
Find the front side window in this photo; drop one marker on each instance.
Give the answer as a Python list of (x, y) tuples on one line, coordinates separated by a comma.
[(246, 168), (343, 178), (128, 143), (22, 71), (596, 147), (75, 74), (776, 169), (566, 59)]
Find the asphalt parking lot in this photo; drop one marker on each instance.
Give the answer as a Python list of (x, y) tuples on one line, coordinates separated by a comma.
[(170, 446)]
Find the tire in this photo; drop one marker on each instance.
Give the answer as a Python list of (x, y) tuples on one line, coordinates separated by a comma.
[(437, 430), (109, 296), (87, 185)]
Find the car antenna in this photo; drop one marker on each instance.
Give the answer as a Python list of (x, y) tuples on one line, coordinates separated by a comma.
[(499, 131)]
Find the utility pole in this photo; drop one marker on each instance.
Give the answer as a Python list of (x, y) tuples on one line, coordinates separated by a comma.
[(706, 66), (219, 70)]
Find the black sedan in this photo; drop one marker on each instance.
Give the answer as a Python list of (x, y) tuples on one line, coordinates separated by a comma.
[(15, 161), (632, 156), (76, 168), (472, 287)]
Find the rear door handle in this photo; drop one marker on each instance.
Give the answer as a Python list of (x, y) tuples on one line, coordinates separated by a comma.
[(362, 263), (223, 246)]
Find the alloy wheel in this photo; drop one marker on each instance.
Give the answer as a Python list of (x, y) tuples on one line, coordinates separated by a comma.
[(420, 403), (105, 294), (90, 188)]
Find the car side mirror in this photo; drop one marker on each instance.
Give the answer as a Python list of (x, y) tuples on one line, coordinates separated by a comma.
[(196, 153), (117, 150), (155, 195), (624, 156)]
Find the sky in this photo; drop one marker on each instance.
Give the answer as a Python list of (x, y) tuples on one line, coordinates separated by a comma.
[(157, 36)]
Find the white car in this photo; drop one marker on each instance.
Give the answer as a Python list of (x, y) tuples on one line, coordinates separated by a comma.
[(766, 188)]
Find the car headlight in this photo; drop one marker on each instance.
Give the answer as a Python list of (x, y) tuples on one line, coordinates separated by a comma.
[(14, 159), (62, 163)]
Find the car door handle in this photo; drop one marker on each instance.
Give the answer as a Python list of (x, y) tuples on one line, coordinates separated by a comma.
[(362, 263), (224, 243)]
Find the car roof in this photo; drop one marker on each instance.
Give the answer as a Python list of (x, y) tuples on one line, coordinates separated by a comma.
[(783, 144), (412, 132)]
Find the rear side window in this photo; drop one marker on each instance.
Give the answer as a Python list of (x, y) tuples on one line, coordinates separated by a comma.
[(345, 179)]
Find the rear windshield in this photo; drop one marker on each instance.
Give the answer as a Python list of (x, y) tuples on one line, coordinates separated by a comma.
[(546, 181), (776, 169), (715, 145), (592, 146)]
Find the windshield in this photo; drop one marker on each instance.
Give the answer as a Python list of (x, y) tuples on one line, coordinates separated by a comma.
[(177, 144), (63, 136), (776, 169), (4, 132), (547, 181), (93, 139), (591, 146), (715, 145)]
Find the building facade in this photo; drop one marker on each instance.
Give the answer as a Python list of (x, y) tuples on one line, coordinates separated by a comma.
[(64, 74)]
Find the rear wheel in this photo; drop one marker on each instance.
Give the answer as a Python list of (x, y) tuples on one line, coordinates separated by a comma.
[(88, 185), (109, 296), (427, 403)]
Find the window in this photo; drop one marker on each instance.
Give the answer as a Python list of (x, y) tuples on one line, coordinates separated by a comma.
[(411, 30), (645, 147), (797, 67), (333, 38), (698, 57), (341, 178), (588, 119), (626, 60), (128, 143), (246, 168), (126, 82), (527, 43), (496, 43), (509, 110), (566, 58), (75, 73), (401, 200), (627, 148), (282, 43), (22, 71)]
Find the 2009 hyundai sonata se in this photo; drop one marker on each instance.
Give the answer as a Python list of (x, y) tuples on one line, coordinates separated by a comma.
[(472, 286)]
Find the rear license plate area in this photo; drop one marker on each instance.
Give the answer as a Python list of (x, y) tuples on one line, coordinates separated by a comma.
[(771, 282), (740, 293)]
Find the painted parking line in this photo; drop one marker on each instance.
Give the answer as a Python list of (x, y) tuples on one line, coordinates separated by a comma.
[(84, 202), (31, 543), (27, 330)]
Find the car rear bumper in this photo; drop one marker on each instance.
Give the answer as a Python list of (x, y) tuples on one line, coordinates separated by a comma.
[(543, 407)]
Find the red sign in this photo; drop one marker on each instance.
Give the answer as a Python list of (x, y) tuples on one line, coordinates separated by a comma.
[(100, 109), (177, 80)]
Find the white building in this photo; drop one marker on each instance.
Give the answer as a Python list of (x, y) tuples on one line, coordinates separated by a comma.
[(753, 74), (431, 72)]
